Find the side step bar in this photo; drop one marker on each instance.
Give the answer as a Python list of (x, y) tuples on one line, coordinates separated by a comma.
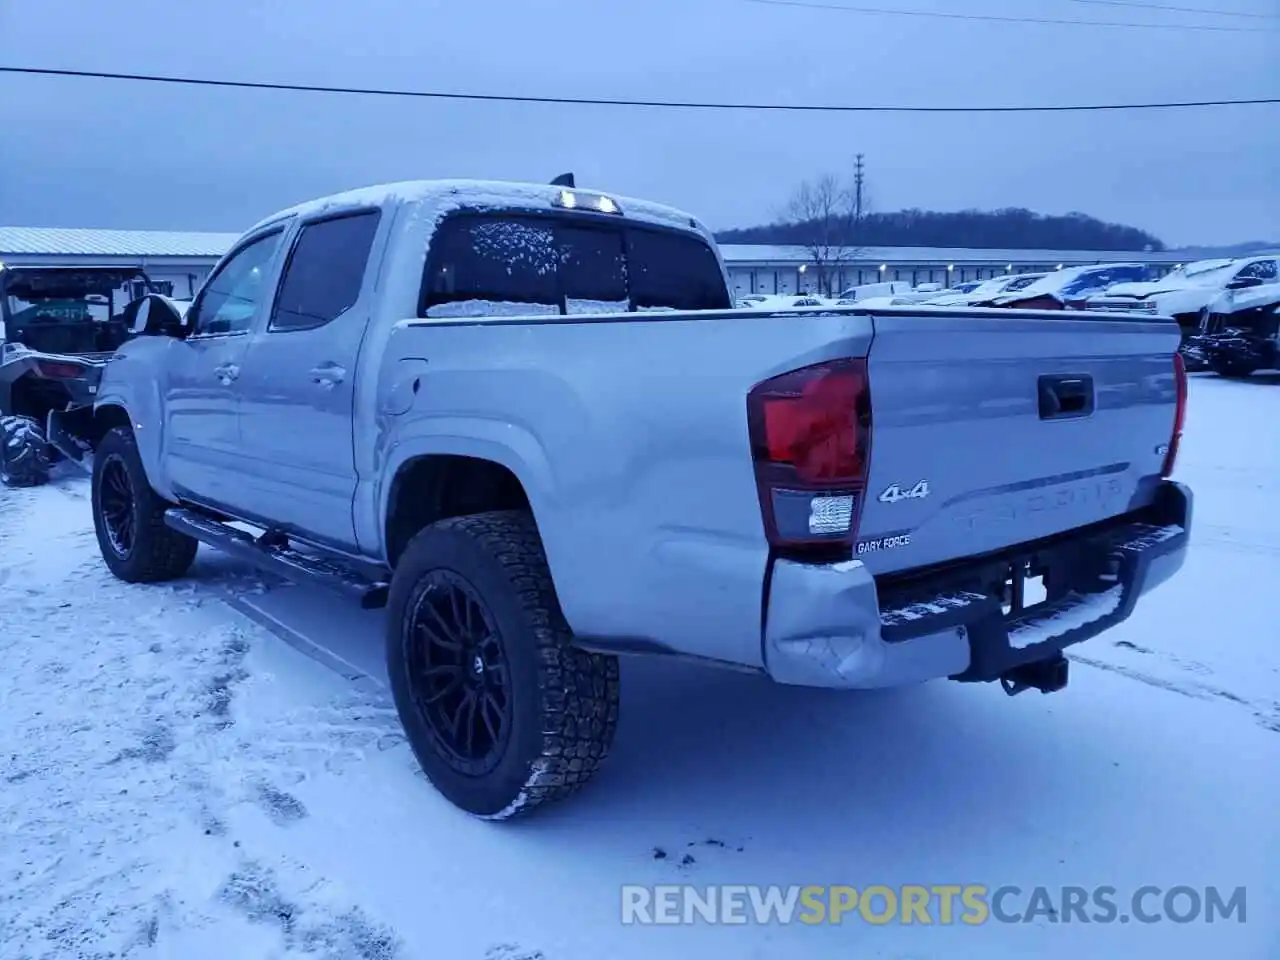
[(271, 552)]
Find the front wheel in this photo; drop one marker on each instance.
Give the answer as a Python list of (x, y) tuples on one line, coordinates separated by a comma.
[(24, 454), (128, 516), (502, 712)]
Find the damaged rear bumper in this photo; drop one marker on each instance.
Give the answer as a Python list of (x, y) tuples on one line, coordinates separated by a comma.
[(833, 625)]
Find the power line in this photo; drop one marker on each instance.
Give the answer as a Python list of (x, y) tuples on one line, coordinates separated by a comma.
[(1137, 5), (604, 102), (995, 18)]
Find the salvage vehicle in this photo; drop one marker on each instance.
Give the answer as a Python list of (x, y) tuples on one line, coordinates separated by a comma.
[(1250, 344), (58, 327), (1203, 297), (527, 421), (1069, 288)]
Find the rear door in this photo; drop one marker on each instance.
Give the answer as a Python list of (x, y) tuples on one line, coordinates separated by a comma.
[(298, 378), (993, 431)]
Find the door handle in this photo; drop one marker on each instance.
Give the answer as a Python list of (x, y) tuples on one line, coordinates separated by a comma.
[(226, 372), (327, 375), (1063, 397)]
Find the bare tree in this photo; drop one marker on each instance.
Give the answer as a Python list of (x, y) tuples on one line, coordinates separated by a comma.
[(826, 216)]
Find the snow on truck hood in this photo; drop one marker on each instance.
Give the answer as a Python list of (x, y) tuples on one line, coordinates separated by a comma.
[(439, 198)]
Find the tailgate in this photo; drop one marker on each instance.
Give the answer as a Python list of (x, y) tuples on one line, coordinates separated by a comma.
[(993, 430)]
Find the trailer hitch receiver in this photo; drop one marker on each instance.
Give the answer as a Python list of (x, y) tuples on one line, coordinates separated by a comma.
[(1047, 676)]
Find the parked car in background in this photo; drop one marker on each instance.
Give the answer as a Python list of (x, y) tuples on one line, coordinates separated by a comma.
[(1252, 343), (1205, 297), (1198, 292), (782, 301), (886, 288), (1070, 288), (985, 290)]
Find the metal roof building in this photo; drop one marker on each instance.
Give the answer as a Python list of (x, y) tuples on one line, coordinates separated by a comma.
[(178, 261)]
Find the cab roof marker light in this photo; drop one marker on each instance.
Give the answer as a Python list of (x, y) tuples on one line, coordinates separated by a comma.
[(574, 199)]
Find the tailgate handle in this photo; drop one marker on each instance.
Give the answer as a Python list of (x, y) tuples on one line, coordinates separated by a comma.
[(1065, 396)]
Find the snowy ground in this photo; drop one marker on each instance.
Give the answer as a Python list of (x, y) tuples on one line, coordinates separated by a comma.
[(177, 782)]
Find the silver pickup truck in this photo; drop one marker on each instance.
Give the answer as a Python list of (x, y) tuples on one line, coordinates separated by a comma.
[(526, 420)]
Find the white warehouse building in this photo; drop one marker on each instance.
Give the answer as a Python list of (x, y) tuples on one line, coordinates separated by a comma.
[(178, 262), (763, 269)]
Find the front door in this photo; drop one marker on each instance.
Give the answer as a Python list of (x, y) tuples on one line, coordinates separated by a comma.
[(298, 378), (202, 436)]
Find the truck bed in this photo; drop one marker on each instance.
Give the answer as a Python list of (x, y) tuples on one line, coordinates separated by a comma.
[(630, 435)]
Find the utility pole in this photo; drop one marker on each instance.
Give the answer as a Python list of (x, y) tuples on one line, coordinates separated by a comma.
[(857, 189)]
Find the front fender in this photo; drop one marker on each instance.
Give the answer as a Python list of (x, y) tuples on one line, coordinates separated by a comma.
[(132, 381)]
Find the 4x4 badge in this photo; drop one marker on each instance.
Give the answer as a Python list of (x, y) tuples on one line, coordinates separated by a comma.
[(893, 493)]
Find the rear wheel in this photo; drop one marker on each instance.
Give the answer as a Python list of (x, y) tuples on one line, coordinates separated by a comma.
[(501, 710), (24, 454), (128, 516)]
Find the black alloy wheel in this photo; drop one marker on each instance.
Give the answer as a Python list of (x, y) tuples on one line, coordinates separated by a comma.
[(116, 501), (463, 693)]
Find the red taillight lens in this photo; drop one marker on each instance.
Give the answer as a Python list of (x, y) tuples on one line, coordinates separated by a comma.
[(810, 439), (1179, 415), (64, 371)]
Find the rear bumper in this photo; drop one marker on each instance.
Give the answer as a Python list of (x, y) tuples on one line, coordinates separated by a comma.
[(834, 626)]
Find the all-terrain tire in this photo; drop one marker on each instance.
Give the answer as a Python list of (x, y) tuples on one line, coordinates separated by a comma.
[(563, 708), (156, 552), (24, 454)]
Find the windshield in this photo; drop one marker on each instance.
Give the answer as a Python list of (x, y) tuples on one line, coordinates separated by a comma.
[(1202, 267), (60, 324), (1105, 277), (485, 265)]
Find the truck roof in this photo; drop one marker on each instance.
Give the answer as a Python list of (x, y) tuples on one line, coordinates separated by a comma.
[(441, 197)]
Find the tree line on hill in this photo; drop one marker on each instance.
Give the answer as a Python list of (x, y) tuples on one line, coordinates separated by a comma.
[(832, 220), (1012, 229)]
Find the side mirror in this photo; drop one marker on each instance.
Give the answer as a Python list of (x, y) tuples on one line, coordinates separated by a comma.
[(157, 317), (1244, 283)]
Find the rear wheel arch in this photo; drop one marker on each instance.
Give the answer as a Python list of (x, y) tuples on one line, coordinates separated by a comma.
[(433, 487)]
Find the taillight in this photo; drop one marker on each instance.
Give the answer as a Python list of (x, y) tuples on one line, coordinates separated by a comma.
[(1179, 415), (62, 371), (810, 433)]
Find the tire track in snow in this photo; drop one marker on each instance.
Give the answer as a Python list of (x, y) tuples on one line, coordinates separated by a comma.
[(121, 758), (1266, 714)]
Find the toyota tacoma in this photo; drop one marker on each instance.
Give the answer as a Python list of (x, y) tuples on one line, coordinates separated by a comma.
[(527, 421)]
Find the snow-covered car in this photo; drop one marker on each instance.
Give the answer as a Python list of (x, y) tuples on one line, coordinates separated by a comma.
[(782, 301), (884, 288), (985, 290), (1069, 288), (1206, 298), (1196, 292)]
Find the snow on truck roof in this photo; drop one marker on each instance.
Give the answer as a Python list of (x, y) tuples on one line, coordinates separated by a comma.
[(440, 197)]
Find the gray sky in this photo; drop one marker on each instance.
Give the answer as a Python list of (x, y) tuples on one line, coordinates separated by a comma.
[(115, 154)]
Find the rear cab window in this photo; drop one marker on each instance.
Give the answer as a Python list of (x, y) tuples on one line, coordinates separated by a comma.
[(506, 264)]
